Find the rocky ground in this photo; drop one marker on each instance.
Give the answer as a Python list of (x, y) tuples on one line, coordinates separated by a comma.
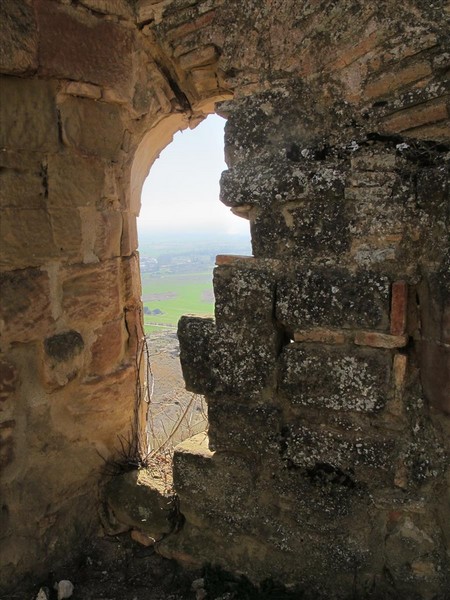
[(116, 568)]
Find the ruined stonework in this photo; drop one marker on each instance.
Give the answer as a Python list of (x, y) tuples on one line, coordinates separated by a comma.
[(326, 369)]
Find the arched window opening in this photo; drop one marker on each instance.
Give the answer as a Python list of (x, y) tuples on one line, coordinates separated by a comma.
[(182, 227)]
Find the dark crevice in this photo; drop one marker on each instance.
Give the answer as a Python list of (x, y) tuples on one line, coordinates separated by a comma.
[(178, 93), (325, 473)]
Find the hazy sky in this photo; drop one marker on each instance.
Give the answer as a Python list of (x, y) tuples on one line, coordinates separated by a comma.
[(181, 192)]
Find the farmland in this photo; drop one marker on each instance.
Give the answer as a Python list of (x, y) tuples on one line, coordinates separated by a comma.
[(167, 297), (176, 275)]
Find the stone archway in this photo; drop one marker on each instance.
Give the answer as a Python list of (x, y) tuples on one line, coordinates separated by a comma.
[(337, 143)]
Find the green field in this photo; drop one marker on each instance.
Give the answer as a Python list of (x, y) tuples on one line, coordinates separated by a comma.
[(175, 295)]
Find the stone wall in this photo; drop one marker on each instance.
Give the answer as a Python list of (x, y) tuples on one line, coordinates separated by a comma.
[(325, 369)]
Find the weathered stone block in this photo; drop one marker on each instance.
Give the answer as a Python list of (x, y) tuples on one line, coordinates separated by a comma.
[(368, 459), (271, 179), (194, 335), (129, 241), (245, 295), (22, 189), (25, 311), (199, 57), (104, 57), (314, 228), (131, 281), (28, 116), (108, 234), (92, 127), (100, 411), (27, 238), (335, 378), (67, 228), (74, 180), (9, 382), (63, 358), (7, 443), (139, 500), (91, 293), (214, 487), (242, 364), (333, 298), (241, 428), (18, 32), (108, 348)]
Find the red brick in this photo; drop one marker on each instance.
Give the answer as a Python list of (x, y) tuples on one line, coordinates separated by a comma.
[(399, 372), (380, 340), (349, 54), (231, 259), (399, 305), (191, 26), (416, 116), (388, 83), (323, 336)]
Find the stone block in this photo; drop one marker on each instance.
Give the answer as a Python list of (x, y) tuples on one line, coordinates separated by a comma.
[(129, 242), (313, 228), (237, 427), (205, 55), (140, 501), (25, 305), (367, 459), (333, 298), (74, 180), (91, 293), (194, 335), (9, 381), (214, 487), (121, 8), (28, 116), (335, 378), (22, 189), (85, 90), (375, 339), (399, 306), (108, 349), (92, 127), (7, 443), (131, 281), (244, 295), (243, 364), (258, 183), (18, 33), (103, 58), (67, 228), (63, 359), (99, 413), (108, 234), (27, 238)]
